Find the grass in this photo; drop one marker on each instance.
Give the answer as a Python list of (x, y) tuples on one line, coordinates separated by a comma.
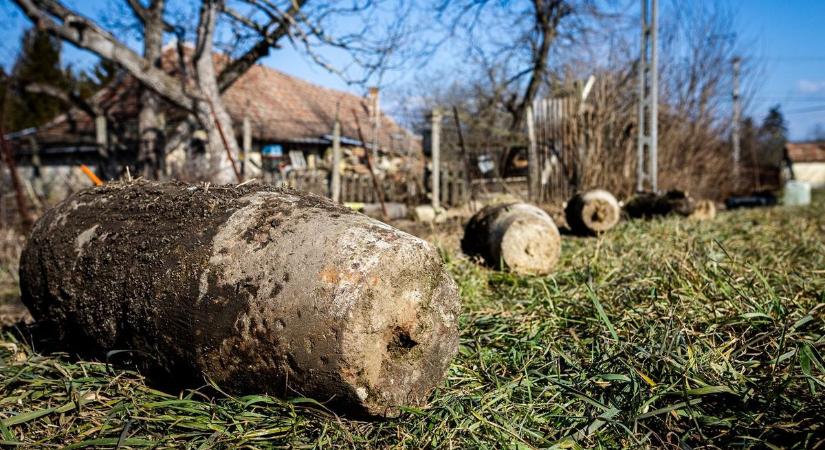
[(665, 333)]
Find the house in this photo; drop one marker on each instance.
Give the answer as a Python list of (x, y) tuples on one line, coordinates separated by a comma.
[(805, 161), (290, 120)]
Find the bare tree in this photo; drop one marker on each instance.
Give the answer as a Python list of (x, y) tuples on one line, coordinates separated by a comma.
[(256, 27), (512, 43), (150, 133), (694, 109)]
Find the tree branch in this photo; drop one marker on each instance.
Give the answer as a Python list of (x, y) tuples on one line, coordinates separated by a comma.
[(68, 97), (237, 67), (87, 35), (548, 14), (140, 12)]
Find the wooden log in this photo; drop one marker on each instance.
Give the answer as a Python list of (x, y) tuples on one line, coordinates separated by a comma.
[(517, 236), (260, 289), (592, 212)]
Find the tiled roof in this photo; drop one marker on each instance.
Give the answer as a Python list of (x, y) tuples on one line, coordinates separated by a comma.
[(284, 108), (805, 151), (280, 108)]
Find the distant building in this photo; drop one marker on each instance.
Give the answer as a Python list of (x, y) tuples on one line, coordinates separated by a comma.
[(805, 161), (291, 122)]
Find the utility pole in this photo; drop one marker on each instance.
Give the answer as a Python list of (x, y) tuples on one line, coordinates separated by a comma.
[(648, 133), (737, 112)]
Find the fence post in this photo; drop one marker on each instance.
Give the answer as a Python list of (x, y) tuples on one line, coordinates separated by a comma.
[(466, 173), (435, 149), (533, 169), (336, 162), (101, 137)]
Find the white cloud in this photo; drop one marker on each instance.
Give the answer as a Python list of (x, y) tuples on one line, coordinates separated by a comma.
[(810, 87)]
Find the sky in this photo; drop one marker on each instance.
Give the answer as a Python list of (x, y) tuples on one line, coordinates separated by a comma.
[(786, 41)]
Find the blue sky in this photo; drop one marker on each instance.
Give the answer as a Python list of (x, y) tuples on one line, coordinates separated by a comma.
[(786, 39)]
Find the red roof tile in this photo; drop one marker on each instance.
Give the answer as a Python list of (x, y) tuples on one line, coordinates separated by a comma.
[(805, 151), (280, 108)]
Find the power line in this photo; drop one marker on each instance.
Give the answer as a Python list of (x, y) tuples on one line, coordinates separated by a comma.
[(806, 110), (791, 58), (790, 99)]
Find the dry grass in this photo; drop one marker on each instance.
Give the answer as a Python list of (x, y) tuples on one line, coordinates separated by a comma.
[(11, 310), (668, 333)]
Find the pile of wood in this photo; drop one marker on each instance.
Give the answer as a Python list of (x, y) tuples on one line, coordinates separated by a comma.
[(647, 205), (650, 204)]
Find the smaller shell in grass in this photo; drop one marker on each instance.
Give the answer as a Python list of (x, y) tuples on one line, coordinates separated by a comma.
[(518, 236), (704, 210), (592, 212)]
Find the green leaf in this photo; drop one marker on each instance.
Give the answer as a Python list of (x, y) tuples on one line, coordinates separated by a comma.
[(27, 416), (756, 315), (667, 409), (602, 314), (129, 442), (708, 390)]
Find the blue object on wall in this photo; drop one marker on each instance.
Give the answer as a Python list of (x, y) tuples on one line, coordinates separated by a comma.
[(272, 151)]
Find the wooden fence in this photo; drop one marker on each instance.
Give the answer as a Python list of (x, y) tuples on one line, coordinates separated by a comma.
[(359, 188), (563, 137), (454, 189)]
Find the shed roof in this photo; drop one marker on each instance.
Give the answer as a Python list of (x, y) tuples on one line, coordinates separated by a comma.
[(280, 108), (805, 151), (285, 108)]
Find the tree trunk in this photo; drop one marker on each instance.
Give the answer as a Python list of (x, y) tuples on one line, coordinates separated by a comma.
[(518, 236), (592, 212), (151, 146), (260, 289), (547, 15), (223, 146), (150, 150)]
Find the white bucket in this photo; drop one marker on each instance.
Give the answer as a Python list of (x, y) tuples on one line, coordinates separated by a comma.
[(797, 193)]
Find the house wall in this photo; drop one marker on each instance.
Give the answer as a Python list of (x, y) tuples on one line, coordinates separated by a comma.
[(812, 172)]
